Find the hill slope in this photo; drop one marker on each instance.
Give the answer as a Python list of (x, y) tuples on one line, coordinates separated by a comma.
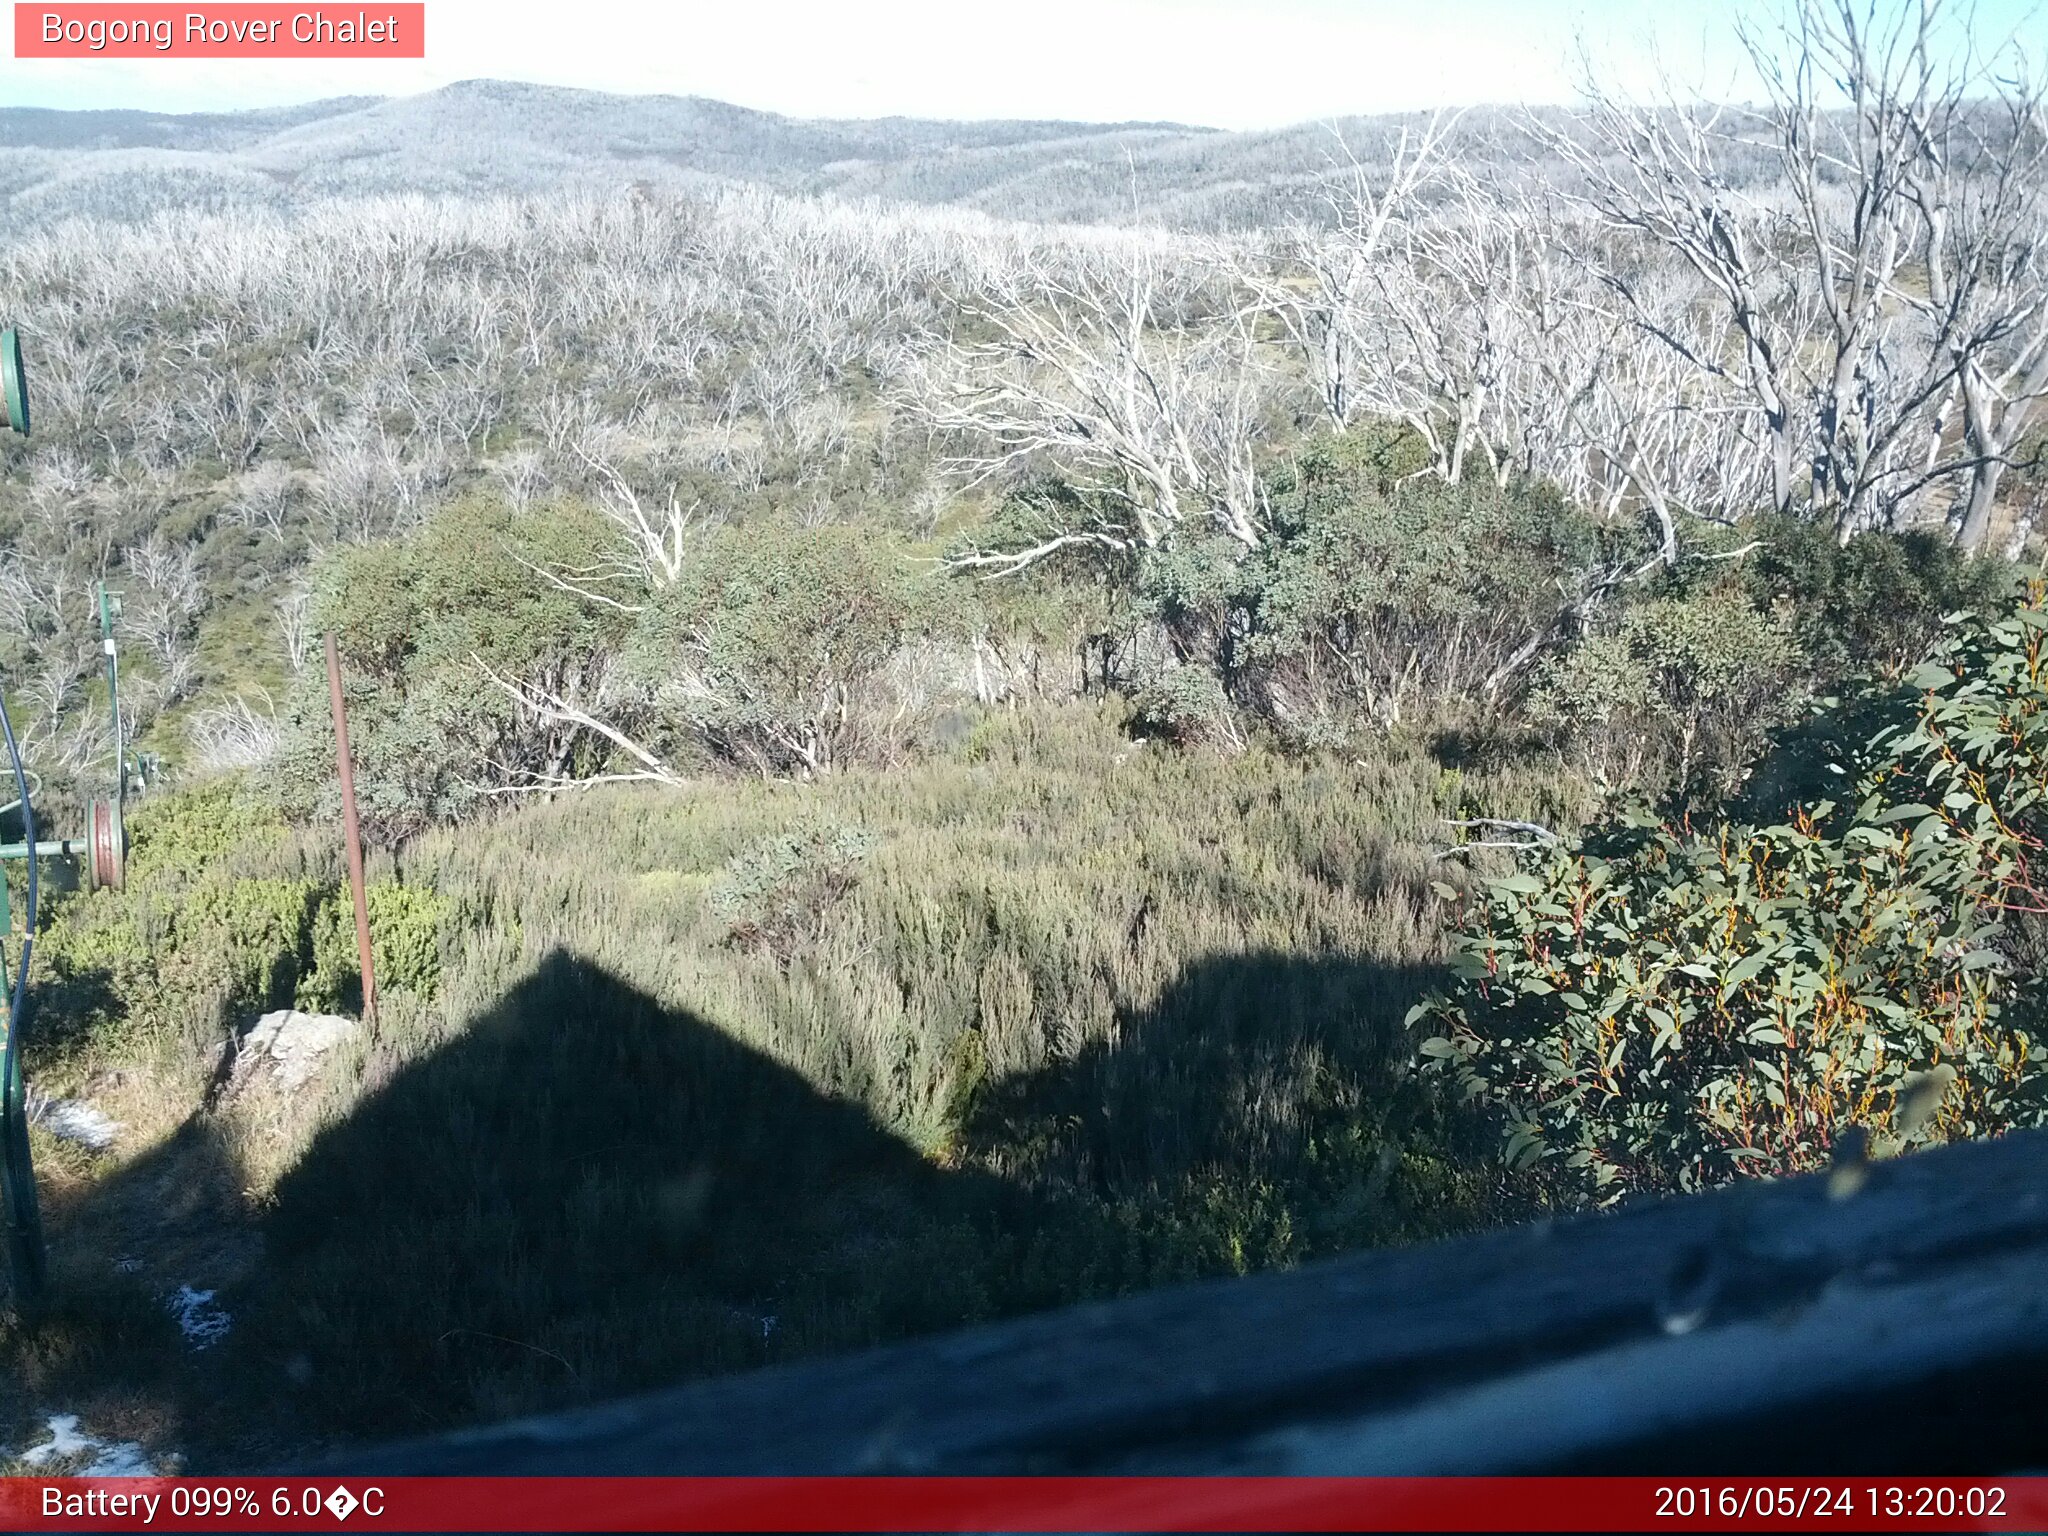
[(489, 136)]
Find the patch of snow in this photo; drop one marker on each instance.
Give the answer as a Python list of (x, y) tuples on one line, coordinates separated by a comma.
[(203, 1322), (65, 1440), (73, 1120), (122, 1458), (118, 1458)]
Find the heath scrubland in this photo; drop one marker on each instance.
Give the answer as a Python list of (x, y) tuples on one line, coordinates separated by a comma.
[(925, 762)]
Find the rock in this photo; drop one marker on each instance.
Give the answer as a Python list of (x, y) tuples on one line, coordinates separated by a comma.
[(73, 1120), (288, 1047)]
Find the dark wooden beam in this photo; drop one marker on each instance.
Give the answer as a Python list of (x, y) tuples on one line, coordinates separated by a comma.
[(1765, 1327)]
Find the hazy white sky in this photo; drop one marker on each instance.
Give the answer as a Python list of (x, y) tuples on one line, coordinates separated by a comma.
[(1231, 63)]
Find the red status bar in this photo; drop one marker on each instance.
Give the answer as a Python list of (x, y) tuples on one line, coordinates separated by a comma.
[(220, 31), (1024, 1504)]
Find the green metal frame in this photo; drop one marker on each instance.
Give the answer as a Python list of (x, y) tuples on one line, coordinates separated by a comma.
[(110, 610), (81, 847), (26, 1256), (103, 851), (13, 382)]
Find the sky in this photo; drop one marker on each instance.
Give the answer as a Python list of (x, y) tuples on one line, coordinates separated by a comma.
[(1223, 63)]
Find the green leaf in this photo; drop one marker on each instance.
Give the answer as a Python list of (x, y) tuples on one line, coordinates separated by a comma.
[(1741, 971)]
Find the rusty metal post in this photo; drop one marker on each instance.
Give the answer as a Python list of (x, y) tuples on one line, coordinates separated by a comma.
[(351, 829)]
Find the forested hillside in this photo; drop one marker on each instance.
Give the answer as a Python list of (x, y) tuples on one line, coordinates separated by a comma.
[(491, 137), (955, 717)]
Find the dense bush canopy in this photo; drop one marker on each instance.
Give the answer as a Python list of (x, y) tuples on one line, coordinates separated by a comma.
[(1662, 1007)]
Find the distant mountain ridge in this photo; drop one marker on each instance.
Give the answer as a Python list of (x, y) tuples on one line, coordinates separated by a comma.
[(492, 136), (126, 128)]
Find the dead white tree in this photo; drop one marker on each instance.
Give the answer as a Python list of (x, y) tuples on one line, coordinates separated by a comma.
[(234, 734), (1999, 346), (1978, 185), (566, 721), (1107, 371), (1882, 278), (165, 611), (1858, 106), (1655, 173), (1449, 312), (294, 626), (654, 543), (1317, 281), (1656, 435), (262, 499), (521, 476), (1565, 347)]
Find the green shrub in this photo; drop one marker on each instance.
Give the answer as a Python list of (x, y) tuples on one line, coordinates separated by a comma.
[(1186, 705), (179, 835), (772, 893), (254, 931), (219, 920), (1689, 684), (1657, 1008), (170, 963), (1683, 679), (407, 931), (1376, 593), (771, 645), (1195, 587), (1372, 588), (418, 621), (1871, 606)]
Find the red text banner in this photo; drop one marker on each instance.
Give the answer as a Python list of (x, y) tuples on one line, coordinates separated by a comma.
[(1023, 1504), (228, 31)]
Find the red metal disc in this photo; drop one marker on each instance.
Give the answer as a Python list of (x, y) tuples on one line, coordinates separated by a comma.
[(106, 847)]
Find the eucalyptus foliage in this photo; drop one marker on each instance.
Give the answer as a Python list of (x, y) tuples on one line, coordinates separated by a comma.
[(1654, 1007)]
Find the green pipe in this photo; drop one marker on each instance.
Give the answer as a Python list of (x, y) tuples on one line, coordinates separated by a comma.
[(63, 848), (110, 610)]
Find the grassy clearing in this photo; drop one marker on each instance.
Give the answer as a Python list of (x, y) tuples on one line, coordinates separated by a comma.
[(676, 1083)]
